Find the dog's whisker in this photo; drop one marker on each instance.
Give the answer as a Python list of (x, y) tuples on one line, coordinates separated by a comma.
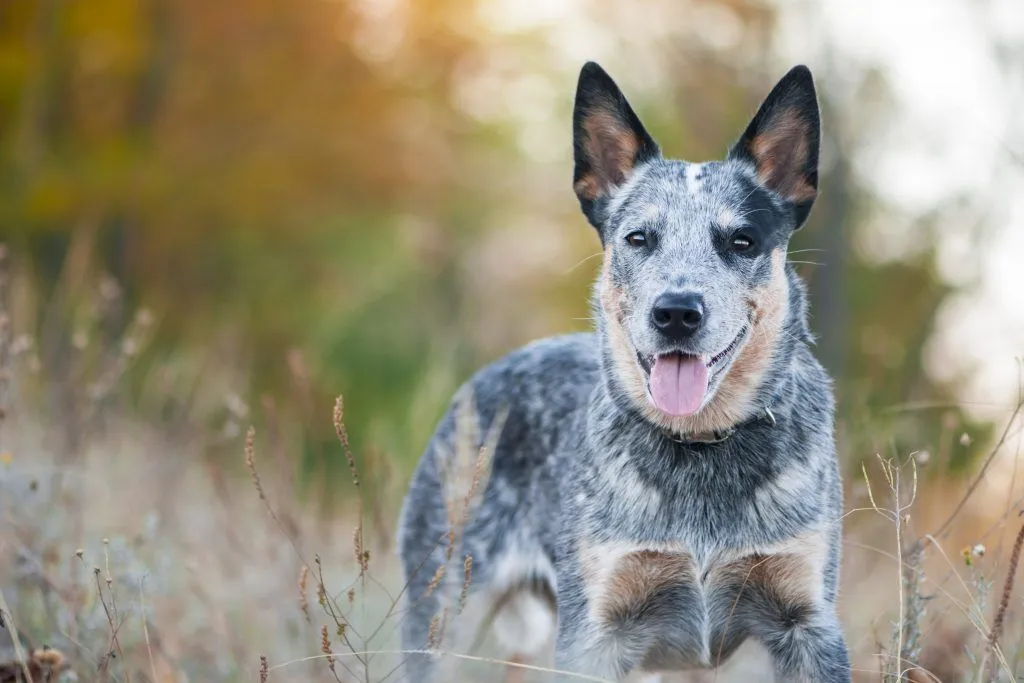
[(750, 212), (750, 194), (584, 260)]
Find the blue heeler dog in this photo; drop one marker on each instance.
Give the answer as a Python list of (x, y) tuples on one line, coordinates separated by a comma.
[(665, 490)]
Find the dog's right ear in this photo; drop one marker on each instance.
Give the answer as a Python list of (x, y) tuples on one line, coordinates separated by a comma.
[(609, 142), (782, 141)]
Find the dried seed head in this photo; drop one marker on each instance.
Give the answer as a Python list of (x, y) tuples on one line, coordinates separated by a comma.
[(339, 429), (450, 546), (357, 545), (435, 634), (264, 669), (467, 578), (47, 656), (965, 439), (435, 581), (303, 602), (250, 462), (325, 647), (999, 621), (46, 663)]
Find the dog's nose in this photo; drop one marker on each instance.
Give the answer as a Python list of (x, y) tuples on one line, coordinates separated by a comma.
[(678, 316)]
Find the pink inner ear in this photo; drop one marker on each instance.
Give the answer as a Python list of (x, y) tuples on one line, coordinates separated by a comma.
[(781, 153), (611, 148)]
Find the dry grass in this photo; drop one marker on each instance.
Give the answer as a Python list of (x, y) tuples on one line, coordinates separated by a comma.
[(128, 554)]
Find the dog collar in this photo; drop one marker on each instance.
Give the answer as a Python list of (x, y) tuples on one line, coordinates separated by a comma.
[(718, 436)]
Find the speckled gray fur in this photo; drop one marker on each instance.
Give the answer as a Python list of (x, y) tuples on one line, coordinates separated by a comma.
[(582, 478)]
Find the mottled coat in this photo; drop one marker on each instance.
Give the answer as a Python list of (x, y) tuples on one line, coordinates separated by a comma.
[(639, 532)]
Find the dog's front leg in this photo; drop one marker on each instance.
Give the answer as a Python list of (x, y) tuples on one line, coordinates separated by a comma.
[(581, 646), (807, 648), (582, 651)]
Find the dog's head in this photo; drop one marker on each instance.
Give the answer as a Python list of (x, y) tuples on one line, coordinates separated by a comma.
[(695, 291)]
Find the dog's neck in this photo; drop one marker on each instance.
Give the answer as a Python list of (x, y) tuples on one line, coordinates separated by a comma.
[(765, 415)]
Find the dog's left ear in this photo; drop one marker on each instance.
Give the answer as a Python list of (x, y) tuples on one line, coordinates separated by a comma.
[(609, 142), (783, 139)]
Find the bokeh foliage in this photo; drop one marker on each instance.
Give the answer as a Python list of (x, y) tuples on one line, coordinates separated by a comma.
[(326, 197)]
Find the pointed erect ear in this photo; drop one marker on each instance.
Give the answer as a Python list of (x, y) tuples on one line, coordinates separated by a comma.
[(782, 141), (608, 141)]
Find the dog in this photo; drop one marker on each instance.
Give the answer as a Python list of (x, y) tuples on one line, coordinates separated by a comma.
[(663, 492)]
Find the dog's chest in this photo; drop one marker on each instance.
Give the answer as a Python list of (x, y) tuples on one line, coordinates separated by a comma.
[(690, 610)]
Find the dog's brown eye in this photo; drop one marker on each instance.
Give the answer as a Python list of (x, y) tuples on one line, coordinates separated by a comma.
[(741, 242), (636, 239)]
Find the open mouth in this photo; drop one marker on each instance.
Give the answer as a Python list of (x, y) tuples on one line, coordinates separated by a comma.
[(678, 382), (716, 359)]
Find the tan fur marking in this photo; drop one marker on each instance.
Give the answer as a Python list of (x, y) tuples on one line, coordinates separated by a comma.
[(791, 572), (639, 576), (769, 306), (611, 148), (781, 153), (588, 187), (785, 576), (613, 299), (618, 576), (623, 354), (733, 401)]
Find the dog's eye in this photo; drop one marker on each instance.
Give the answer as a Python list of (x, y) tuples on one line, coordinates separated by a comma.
[(741, 242), (636, 239)]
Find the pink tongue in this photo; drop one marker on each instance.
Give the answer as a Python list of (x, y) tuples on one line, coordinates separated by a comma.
[(678, 383)]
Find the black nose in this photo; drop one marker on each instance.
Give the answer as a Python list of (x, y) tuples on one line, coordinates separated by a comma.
[(678, 316)]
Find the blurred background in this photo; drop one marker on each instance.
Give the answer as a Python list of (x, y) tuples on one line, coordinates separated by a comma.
[(224, 214)]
